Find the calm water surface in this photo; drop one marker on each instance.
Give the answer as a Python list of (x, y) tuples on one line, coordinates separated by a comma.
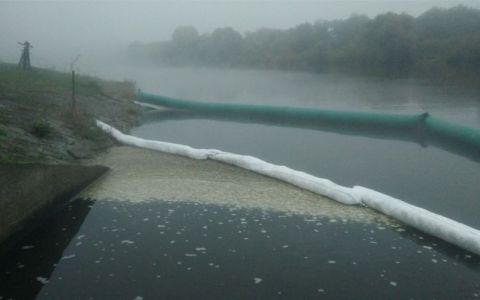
[(161, 249), (171, 250), (306, 89)]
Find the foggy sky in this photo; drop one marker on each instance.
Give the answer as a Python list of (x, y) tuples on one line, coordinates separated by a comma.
[(61, 30)]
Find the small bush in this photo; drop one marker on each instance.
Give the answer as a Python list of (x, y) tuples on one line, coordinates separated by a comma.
[(132, 111), (41, 129), (84, 127)]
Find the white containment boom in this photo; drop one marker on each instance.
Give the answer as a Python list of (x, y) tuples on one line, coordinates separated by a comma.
[(436, 225)]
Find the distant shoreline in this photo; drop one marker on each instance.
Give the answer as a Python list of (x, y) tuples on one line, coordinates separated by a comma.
[(441, 46)]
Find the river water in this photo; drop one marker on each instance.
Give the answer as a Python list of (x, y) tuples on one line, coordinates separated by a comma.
[(175, 246), (306, 90)]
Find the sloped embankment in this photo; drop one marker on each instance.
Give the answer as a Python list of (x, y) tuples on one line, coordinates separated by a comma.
[(38, 122), (30, 192)]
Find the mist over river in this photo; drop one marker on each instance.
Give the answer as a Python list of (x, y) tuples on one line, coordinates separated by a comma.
[(326, 91)]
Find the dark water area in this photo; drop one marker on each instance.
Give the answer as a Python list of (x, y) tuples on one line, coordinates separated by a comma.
[(171, 250), (427, 176)]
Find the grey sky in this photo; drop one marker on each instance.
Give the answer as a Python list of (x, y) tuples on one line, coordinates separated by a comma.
[(61, 30)]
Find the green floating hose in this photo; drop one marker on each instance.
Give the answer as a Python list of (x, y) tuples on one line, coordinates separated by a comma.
[(455, 132), (285, 112), (450, 136)]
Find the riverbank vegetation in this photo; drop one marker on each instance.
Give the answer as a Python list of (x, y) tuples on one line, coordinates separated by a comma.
[(441, 44), (38, 122)]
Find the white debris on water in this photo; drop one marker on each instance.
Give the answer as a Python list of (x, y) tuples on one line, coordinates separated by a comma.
[(257, 280), (42, 280), (68, 256), (301, 179), (27, 247), (449, 230), (127, 242)]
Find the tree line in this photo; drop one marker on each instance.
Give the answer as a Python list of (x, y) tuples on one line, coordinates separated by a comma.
[(440, 43)]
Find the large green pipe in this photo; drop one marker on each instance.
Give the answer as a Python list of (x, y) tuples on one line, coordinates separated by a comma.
[(452, 137), (338, 118), (454, 132)]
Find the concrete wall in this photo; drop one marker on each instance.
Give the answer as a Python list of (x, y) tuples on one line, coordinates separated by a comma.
[(29, 192)]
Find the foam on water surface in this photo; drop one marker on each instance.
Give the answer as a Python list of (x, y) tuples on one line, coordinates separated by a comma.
[(140, 175), (424, 220)]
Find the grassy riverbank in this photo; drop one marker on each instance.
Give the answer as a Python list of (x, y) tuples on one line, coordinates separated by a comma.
[(38, 124)]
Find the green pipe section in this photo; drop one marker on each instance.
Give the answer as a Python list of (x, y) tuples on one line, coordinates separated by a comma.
[(338, 118), (446, 135), (455, 132)]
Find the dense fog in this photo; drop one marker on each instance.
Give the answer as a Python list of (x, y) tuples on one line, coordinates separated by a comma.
[(101, 31)]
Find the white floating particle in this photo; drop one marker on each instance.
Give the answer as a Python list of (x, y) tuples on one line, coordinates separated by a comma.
[(42, 280), (68, 256), (332, 262), (393, 283), (127, 242), (434, 260), (27, 247), (257, 280)]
